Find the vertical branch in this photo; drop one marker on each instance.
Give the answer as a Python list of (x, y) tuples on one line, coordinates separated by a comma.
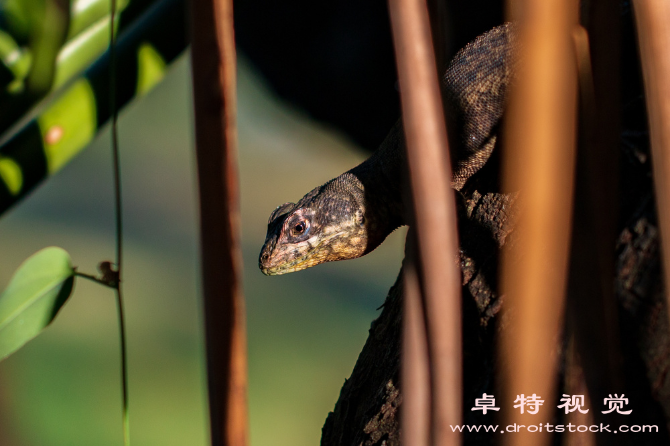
[(591, 305), (213, 62), (118, 212), (434, 213), (415, 386), (603, 162), (539, 162), (652, 19), (437, 12), (575, 384)]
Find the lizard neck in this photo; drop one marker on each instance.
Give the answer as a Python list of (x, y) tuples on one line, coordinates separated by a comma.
[(378, 187)]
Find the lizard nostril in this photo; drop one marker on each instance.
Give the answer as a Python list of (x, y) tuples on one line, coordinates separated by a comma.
[(264, 256)]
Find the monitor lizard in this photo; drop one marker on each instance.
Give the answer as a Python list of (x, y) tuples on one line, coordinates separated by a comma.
[(349, 216), (352, 214)]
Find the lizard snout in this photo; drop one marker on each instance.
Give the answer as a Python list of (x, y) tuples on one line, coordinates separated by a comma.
[(264, 258)]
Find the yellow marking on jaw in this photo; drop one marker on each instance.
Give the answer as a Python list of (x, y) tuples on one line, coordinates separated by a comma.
[(307, 260)]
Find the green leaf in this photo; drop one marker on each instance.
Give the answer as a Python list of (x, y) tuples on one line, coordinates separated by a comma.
[(33, 297)]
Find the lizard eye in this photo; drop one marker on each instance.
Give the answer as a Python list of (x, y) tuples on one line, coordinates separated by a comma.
[(300, 227)]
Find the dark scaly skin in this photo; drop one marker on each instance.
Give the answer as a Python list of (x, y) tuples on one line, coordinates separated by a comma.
[(352, 214), (345, 218)]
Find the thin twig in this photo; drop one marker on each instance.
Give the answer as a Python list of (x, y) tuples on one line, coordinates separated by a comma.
[(94, 279), (119, 219)]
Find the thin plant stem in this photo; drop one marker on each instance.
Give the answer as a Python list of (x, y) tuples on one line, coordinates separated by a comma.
[(119, 220), (124, 368), (93, 278)]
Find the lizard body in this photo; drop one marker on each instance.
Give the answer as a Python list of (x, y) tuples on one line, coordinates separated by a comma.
[(352, 214)]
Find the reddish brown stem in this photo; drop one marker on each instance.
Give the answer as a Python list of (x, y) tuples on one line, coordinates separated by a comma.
[(652, 19), (434, 218), (415, 376), (539, 162), (591, 309), (213, 61)]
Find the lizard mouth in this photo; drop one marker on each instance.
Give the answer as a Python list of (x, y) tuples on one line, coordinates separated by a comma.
[(307, 253)]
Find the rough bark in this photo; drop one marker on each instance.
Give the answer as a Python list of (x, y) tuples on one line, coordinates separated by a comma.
[(367, 412)]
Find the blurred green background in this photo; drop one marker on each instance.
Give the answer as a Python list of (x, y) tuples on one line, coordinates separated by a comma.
[(305, 329)]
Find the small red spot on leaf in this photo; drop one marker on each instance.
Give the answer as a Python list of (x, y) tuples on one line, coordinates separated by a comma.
[(54, 134)]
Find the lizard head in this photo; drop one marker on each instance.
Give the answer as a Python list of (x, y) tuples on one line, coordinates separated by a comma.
[(327, 224)]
